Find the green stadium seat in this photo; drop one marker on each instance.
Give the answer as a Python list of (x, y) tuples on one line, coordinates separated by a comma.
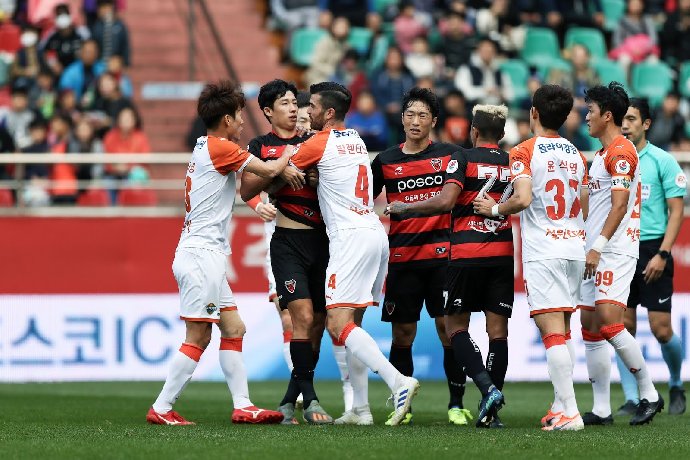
[(592, 39), (379, 49), (4, 73), (360, 39), (381, 5), (554, 64), (614, 10), (684, 81), (518, 72), (609, 71), (302, 45), (651, 80), (541, 46)]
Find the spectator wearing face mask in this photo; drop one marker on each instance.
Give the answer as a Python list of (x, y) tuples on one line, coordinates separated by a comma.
[(28, 62), (111, 33), (62, 46)]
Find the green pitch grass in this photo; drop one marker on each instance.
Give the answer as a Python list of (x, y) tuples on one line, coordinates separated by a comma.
[(106, 420)]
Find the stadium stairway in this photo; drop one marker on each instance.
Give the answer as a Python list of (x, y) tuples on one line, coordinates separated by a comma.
[(160, 53)]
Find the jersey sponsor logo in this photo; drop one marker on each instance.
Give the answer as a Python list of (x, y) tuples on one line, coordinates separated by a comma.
[(622, 167), (290, 286), (436, 163), (441, 250), (452, 166), (309, 213), (620, 183), (681, 180), (646, 191), (664, 300), (271, 152), (398, 171), (390, 306), (421, 182), (517, 167)]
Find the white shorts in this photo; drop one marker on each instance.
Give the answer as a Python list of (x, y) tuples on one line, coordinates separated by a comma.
[(553, 284), (202, 280), (357, 267), (611, 284), (269, 228)]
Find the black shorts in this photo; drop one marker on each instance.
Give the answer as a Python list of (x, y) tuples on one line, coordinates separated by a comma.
[(409, 289), (299, 259), (480, 289), (655, 296)]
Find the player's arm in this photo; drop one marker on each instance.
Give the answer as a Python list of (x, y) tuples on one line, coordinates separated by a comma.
[(655, 266), (442, 202), (584, 201), (275, 168), (377, 176), (521, 178)]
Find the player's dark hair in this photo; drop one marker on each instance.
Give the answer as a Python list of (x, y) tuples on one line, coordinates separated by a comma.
[(490, 121), (303, 99), (333, 96), (423, 95), (611, 98), (553, 103), (272, 91), (642, 106), (217, 100)]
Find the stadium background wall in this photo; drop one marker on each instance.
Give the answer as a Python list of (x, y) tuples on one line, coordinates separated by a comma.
[(95, 299)]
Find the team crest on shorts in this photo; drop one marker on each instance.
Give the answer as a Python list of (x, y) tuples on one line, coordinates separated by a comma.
[(290, 286), (211, 308), (390, 306), (436, 163)]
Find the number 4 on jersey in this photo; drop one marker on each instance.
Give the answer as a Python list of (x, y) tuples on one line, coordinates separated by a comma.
[(362, 185)]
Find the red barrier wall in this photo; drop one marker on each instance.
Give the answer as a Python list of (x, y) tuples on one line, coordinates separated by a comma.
[(134, 255)]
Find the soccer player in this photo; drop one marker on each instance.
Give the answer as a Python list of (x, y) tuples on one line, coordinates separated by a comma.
[(548, 174), (298, 252), (419, 244), (357, 242), (201, 257), (613, 239), (663, 187), (480, 270)]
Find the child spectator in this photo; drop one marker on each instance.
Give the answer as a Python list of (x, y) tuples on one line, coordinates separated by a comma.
[(64, 176), (111, 33), (67, 103), (369, 122), (42, 96), (116, 66), (18, 117), (38, 143)]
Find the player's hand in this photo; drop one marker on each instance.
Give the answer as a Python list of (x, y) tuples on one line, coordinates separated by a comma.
[(313, 177), (591, 264), (654, 269), (483, 204), (289, 150), (266, 211), (293, 177), (396, 207)]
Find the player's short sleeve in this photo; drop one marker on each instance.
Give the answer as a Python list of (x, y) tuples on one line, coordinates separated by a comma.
[(621, 163), (254, 148), (456, 171), (673, 178), (310, 152), (377, 175), (585, 178), (520, 159), (227, 156)]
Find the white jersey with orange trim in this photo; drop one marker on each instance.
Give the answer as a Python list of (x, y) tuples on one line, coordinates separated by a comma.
[(345, 188), (552, 226), (615, 168), (210, 193)]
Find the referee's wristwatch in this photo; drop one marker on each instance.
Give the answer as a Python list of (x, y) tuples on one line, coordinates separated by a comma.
[(664, 254)]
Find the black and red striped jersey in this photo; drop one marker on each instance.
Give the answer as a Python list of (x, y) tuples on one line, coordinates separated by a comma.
[(415, 239), (474, 239), (299, 205)]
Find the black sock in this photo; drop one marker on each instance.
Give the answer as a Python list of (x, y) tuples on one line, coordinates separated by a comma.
[(303, 372), (315, 354), (401, 359), (456, 378), (497, 361), (468, 356), (292, 392)]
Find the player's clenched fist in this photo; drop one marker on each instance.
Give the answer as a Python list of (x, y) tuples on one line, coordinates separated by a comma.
[(591, 263), (266, 211), (313, 177)]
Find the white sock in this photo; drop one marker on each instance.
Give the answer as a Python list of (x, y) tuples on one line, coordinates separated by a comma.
[(359, 381), (631, 355), (364, 348), (230, 357), (286, 355), (557, 405), (182, 367), (561, 373), (341, 360), (599, 369)]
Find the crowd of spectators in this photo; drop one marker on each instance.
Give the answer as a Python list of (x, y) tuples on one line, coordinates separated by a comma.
[(66, 90), (459, 47)]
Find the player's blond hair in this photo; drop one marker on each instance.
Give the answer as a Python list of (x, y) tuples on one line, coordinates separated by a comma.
[(498, 111)]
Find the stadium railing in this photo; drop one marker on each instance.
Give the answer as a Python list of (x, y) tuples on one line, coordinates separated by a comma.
[(172, 186)]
